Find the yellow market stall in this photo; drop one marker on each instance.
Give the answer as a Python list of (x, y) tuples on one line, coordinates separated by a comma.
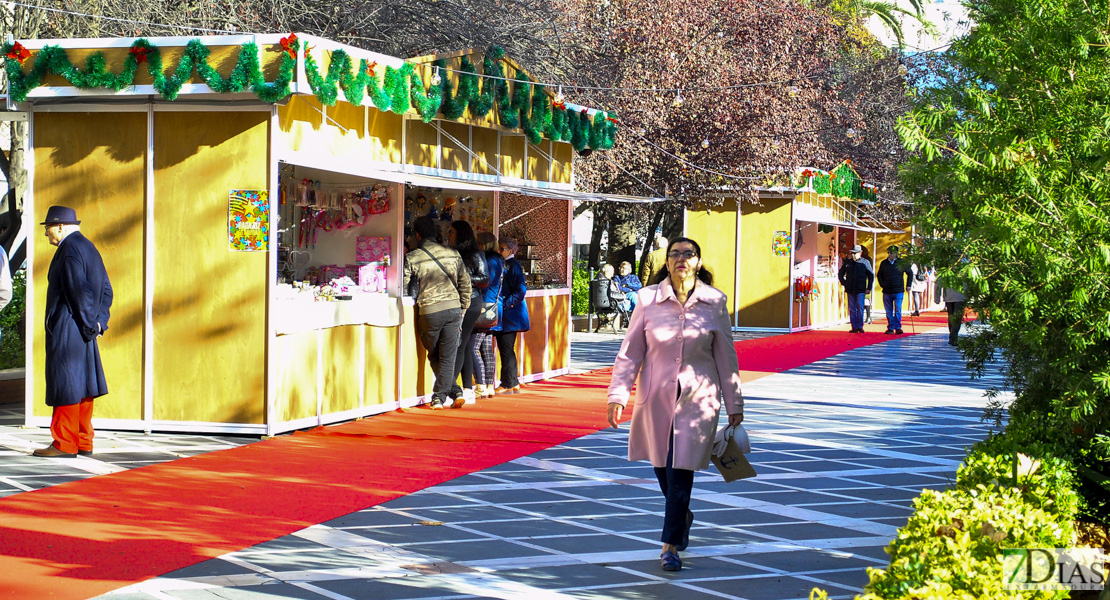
[(250, 196), (777, 256)]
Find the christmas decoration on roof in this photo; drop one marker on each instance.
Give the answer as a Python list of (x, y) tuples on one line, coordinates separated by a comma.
[(843, 181)]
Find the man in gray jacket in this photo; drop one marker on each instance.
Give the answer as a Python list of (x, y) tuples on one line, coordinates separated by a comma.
[(442, 296)]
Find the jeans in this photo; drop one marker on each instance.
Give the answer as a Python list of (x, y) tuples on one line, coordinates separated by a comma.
[(464, 360), (439, 333), (506, 348), (677, 486), (855, 309), (893, 305)]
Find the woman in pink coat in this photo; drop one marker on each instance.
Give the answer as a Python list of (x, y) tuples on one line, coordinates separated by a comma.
[(679, 344)]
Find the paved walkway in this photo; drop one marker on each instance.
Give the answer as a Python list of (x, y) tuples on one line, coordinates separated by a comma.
[(842, 447)]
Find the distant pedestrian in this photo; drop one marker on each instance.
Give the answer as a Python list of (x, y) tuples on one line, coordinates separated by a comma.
[(654, 262), (514, 315), (442, 289), (955, 302), (857, 278), (628, 284), (893, 277), (6, 289), (78, 303), (917, 290), (679, 346)]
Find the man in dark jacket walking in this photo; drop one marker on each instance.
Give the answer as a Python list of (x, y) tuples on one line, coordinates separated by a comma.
[(78, 300), (894, 277), (857, 278)]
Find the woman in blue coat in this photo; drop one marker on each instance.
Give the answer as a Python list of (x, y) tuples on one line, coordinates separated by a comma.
[(481, 342), (514, 314)]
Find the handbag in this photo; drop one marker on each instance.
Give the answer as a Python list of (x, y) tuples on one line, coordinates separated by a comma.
[(729, 447), (491, 311)]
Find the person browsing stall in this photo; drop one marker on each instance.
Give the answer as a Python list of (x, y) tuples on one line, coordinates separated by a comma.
[(78, 305), (460, 236), (442, 296), (481, 346), (514, 315), (679, 354)]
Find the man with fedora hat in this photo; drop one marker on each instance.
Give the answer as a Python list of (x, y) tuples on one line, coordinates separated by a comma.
[(78, 299), (857, 278)]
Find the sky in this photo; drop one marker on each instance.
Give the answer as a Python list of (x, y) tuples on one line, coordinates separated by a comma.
[(948, 16)]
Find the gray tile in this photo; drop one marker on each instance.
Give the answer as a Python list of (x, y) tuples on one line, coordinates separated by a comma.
[(327, 558), (596, 543), (660, 591), (771, 587), (474, 550), (808, 560), (208, 568), (416, 533), (258, 592), (807, 531), (584, 575)]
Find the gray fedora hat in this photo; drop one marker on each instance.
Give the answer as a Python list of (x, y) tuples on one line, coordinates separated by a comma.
[(60, 215)]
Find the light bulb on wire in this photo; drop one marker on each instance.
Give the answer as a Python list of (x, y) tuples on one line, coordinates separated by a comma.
[(678, 100), (559, 97), (705, 143), (436, 78)]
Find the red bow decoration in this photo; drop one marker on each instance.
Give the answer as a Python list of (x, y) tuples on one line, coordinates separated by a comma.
[(370, 69), (611, 119), (139, 53), (832, 176), (559, 105), (807, 173), (18, 52), (289, 44)]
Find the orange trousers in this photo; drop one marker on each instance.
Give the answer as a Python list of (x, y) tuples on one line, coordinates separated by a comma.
[(72, 428)]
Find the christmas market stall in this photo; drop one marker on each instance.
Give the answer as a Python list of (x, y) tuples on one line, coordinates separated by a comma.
[(251, 197), (777, 256)]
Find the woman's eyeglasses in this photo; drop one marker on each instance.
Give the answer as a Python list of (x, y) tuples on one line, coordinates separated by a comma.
[(687, 254)]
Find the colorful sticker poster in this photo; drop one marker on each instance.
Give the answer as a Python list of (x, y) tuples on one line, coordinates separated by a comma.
[(248, 220), (780, 243)]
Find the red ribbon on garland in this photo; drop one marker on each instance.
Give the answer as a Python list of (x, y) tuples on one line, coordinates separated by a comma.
[(370, 69), (289, 44), (139, 53), (18, 52)]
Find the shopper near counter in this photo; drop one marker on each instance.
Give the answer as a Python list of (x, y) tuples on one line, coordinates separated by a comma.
[(514, 315), (460, 236), (629, 284), (78, 305), (679, 347), (442, 287), (481, 342)]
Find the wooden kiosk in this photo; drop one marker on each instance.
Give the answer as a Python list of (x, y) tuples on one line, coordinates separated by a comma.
[(778, 258), (230, 178)]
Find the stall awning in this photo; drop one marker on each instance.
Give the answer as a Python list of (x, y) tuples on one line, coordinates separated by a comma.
[(454, 183)]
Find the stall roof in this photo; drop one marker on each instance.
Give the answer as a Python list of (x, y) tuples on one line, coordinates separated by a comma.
[(436, 181)]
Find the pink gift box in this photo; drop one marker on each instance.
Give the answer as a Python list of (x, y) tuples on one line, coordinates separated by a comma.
[(371, 278), (369, 249), (333, 272)]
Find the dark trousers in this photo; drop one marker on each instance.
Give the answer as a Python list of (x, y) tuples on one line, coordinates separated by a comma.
[(464, 360), (506, 349), (955, 319), (439, 333), (855, 309), (676, 485)]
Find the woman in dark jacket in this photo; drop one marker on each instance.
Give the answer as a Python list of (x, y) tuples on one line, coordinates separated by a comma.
[(514, 315), (481, 343), (461, 237)]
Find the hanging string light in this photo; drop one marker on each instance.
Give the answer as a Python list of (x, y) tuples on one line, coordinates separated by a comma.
[(436, 80), (678, 99), (705, 143), (792, 91), (559, 97)]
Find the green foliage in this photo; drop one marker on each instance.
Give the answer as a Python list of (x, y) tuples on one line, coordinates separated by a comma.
[(1012, 146), (842, 182), (579, 288), (11, 324), (951, 546), (526, 106)]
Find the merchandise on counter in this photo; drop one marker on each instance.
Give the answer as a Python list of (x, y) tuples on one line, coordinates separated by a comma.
[(373, 249)]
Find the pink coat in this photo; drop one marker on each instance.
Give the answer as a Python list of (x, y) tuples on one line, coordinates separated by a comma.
[(672, 347)]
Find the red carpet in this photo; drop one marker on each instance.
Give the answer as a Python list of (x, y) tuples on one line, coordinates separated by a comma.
[(82, 539)]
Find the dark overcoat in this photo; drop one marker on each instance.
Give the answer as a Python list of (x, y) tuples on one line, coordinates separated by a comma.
[(514, 312), (78, 300)]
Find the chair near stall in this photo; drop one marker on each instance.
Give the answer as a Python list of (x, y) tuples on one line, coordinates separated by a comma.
[(603, 305)]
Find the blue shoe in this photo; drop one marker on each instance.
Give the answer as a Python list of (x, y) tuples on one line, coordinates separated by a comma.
[(686, 533), (670, 561)]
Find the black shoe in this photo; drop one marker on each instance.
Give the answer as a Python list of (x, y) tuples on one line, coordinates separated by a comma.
[(437, 403), (686, 533), (898, 332), (951, 342), (669, 561), (85, 452), (889, 332)]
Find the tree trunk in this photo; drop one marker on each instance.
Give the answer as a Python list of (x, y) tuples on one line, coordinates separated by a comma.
[(600, 221), (622, 235)]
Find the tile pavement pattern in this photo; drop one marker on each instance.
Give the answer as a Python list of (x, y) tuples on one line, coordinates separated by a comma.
[(842, 446)]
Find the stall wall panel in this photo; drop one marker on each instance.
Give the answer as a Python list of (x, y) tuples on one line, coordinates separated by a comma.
[(531, 344), (417, 374), (385, 129), (512, 156), (564, 159), (539, 167), (764, 278), (95, 164), (300, 125), (558, 332), (454, 157), (421, 144), (381, 364), (715, 231), (346, 124), (298, 364), (209, 302), (340, 346), (485, 151)]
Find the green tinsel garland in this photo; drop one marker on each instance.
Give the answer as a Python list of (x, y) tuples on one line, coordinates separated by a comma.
[(845, 184), (527, 107)]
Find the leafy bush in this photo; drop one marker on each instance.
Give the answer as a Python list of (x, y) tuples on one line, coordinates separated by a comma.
[(11, 324), (951, 547), (579, 288)]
